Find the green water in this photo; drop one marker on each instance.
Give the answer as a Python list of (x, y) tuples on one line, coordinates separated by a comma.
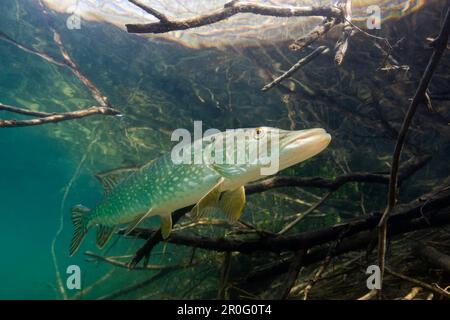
[(34, 176), (47, 170), (161, 86)]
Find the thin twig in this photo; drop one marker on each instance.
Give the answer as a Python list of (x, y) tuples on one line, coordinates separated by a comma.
[(45, 118), (302, 62), (224, 275), (301, 217), (134, 287), (412, 294), (369, 295), (316, 33), (117, 263), (406, 170), (93, 286), (160, 16), (292, 275), (347, 32), (316, 276), (434, 289)]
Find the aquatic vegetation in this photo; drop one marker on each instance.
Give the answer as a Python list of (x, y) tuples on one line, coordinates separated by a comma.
[(303, 233)]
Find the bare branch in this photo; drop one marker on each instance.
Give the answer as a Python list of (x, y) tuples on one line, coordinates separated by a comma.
[(369, 295), (118, 263), (406, 170), (434, 289), (301, 217), (229, 10), (136, 286), (44, 118), (292, 275), (160, 16), (295, 67), (439, 47), (428, 210), (146, 249), (5, 37), (27, 112), (347, 32), (314, 34), (67, 61)]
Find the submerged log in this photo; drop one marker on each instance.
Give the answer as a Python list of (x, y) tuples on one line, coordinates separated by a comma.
[(432, 209)]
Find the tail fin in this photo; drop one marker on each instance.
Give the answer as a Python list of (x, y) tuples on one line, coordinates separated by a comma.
[(79, 219)]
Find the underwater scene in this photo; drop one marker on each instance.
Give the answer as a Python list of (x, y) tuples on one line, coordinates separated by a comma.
[(229, 150)]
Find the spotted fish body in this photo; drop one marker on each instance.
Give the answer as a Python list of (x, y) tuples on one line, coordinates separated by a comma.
[(162, 187)]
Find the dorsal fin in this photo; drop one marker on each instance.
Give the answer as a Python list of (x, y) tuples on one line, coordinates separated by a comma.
[(110, 179)]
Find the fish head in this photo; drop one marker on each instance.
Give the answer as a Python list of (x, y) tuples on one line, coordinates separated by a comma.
[(298, 146), (245, 155)]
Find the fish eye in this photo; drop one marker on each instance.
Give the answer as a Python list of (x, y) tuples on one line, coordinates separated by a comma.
[(259, 133)]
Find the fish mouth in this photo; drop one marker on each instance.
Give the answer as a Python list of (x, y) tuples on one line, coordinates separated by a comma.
[(307, 138), (302, 145)]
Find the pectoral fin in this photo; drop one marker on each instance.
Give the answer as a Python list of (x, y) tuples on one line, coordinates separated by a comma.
[(104, 233), (166, 225), (211, 199), (232, 203)]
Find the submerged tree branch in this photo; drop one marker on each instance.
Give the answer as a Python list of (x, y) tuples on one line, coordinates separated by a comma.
[(426, 286), (347, 32), (160, 16), (407, 169), (302, 62), (146, 249), (230, 9), (104, 107), (44, 117), (315, 34), (434, 206), (117, 263), (439, 45)]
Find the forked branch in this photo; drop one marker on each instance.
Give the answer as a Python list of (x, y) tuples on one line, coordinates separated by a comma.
[(230, 9)]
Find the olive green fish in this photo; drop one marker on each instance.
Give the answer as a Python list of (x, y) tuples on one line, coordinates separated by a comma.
[(216, 182)]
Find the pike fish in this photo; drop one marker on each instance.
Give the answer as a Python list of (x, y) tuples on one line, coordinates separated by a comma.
[(163, 186)]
